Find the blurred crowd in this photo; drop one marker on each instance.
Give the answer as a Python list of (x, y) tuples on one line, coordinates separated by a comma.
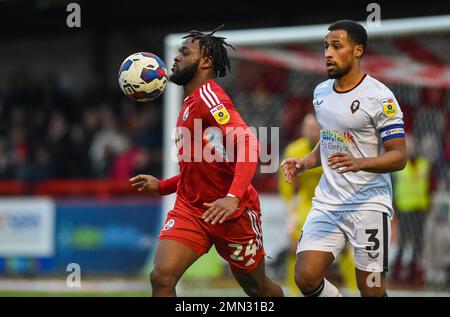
[(48, 131)]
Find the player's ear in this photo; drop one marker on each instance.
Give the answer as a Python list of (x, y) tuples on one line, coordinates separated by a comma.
[(358, 50), (206, 62)]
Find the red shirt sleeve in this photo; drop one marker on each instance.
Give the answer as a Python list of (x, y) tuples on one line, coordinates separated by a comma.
[(169, 186), (244, 169), (219, 111)]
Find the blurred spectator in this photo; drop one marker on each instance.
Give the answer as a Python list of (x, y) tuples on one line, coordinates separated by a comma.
[(19, 146), (5, 160), (412, 199), (107, 143), (39, 169), (125, 162), (148, 129)]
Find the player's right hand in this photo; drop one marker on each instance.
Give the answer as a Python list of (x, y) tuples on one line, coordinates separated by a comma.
[(293, 167), (145, 183)]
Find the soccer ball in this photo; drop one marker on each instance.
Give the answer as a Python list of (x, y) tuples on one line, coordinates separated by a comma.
[(143, 76)]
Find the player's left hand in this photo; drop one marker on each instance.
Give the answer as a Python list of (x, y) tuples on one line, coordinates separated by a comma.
[(344, 163), (220, 209)]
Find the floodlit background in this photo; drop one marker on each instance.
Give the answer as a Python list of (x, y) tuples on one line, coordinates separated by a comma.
[(70, 139)]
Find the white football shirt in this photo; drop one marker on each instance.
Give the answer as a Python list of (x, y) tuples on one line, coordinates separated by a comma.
[(357, 122)]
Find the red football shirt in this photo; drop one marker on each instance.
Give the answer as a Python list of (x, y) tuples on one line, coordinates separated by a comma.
[(217, 153)]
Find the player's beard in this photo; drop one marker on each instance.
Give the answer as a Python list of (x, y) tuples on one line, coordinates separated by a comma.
[(339, 72), (183, 77)]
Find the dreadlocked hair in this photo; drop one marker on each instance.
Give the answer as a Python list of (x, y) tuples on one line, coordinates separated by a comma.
[(213, 47)]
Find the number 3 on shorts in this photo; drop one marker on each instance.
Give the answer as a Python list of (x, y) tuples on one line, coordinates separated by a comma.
[(250, 250), (372, 238)]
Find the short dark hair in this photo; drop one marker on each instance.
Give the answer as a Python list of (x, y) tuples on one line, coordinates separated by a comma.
[(214, 47), (356, 32)]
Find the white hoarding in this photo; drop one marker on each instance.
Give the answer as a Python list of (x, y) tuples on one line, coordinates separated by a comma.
[(26, 227)]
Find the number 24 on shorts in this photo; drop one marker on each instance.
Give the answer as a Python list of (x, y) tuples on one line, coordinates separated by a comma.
[(249, 250)]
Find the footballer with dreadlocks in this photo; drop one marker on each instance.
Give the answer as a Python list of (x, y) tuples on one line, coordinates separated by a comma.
[(216, 203)]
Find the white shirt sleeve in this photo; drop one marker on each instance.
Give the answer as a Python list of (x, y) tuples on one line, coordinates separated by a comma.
[(388, 117)]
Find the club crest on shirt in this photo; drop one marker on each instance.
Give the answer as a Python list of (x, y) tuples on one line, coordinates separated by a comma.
[(373, 256), (389, 107), (186, 114), (220, 114), (354, 106), (169, 225)]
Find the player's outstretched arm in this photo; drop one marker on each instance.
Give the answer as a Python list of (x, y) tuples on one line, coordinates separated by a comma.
[(394, 159), (295, 166), (145, 183), (152, 184)]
